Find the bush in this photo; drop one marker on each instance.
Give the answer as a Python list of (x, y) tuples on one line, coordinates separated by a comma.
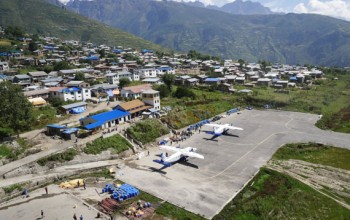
[(68, 155), (115, 142), (184, 92), (148, 130)]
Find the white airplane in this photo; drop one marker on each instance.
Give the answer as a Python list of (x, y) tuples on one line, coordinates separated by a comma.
[(180, 154), (219, 129)]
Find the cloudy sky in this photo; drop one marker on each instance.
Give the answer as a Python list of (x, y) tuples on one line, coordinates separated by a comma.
[(334, 8)]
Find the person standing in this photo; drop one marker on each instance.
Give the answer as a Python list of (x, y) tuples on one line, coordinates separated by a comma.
[(46, 190), (42, 214), (75, 216), (81, 217)]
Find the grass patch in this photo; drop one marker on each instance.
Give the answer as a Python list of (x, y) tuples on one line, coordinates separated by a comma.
[(5, 151), (171, 211), (12, 188), (315, 153), (101, 173), (281, 197), (98, 112), (13, 153), (67, 155), (116, 142), (147, 131)]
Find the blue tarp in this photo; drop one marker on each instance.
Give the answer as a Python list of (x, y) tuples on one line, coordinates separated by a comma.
[(293, 78), (92, 58), (77, 110), (70, 130), (110, 93)]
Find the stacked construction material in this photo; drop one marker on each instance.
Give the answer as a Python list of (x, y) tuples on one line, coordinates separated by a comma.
[(108, 205), (124, 192)]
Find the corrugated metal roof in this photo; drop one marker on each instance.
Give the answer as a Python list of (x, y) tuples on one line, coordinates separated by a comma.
[(74, 105), (105, 117)]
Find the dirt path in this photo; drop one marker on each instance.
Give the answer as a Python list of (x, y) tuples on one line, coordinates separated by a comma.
[(329, 181)]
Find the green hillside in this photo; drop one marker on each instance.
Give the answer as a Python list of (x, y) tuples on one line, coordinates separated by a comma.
[(290, 38), (38, 16)]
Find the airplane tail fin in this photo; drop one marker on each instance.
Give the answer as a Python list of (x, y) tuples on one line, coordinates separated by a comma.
[(162, 157)]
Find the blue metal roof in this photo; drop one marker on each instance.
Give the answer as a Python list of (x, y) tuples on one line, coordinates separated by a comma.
[(72, 89), (56, 126), (293, 78), (105, 117), (212, 80)]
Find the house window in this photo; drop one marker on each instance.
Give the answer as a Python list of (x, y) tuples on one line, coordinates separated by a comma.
[(79, 92), (72, 93)]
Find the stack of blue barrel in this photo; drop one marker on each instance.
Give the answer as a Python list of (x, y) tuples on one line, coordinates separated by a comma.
[(121, 193), (109, 188)]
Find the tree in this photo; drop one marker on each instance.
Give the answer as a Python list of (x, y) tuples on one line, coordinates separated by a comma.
[(124, 82), (241, 63), (80, 76), (163, 90), (264, 64), (169, 80), (63, 65), (16, 112), (184, 92)]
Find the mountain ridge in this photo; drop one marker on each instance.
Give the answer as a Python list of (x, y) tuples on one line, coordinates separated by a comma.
[(289, 38), (42, 17)]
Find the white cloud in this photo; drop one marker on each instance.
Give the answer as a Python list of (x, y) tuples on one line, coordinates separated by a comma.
[(334, 8)]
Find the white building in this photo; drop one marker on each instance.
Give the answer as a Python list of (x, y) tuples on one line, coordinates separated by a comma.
[(70, 94), (134, 92), (112, 78), (4, 66), (151, 97), (148, 73)]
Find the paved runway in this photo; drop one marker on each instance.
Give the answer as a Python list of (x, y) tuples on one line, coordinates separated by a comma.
[(206, 186)]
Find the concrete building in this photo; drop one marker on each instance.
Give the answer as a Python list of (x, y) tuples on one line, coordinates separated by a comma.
[(134, 92), (70, 94), (151, 97), (134, 107)]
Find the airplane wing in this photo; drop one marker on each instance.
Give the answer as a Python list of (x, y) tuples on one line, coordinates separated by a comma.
[(213, 125), (193, 154), (169, 148), (234, 128)]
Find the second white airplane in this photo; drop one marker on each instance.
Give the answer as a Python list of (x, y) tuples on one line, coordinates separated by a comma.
[(219, 129), (180, 154)]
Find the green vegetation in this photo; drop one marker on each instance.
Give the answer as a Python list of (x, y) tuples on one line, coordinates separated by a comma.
[(15, 109), (207, 104), (12, 153), (12, 188), (5, 151), (315, 153), (101, 173), (62, 23), (67, 155), (116, 143), (147, 131), (43, 116), (272, 195), (171, 211)]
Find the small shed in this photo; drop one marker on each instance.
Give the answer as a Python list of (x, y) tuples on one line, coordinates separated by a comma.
[(70, 133), (75, 108), (54, 129)]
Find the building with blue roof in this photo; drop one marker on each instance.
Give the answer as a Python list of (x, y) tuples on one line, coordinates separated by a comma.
[(212, 81), (105, 119)]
